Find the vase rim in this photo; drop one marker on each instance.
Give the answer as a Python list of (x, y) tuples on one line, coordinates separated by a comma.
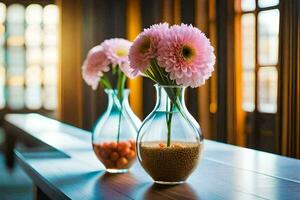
[(111, 90), (169, 86)]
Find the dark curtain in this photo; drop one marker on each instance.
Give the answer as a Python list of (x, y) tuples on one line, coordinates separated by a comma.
[(289, 79)]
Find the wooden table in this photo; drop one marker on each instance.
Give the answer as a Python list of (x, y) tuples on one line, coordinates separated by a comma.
[(66, 168)]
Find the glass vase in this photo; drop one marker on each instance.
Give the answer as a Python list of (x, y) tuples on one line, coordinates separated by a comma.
[(114, 134), (169, 142)]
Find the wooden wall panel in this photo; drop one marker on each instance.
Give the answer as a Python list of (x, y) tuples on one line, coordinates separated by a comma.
[(100, 20), (239, 113), (187, 11), (228, 116), (133, 28), (151, 13), (203, 100), (70, 96)]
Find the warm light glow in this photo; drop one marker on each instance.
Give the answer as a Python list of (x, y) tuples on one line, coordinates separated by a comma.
[(133, 29), (16, 80), (15, 41), (2, 29)]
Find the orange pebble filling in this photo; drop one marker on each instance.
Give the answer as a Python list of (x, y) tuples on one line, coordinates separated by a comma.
[(116, 155)]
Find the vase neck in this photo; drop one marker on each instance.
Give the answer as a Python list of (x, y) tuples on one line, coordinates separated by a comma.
[(167, 96), (114, 100)]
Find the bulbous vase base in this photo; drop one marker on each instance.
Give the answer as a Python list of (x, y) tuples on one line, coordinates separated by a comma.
[(117, 157)]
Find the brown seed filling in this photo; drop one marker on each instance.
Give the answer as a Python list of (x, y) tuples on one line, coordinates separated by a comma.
[(170, 164)]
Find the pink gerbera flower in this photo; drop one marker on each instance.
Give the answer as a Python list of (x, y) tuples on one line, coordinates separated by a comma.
[(94, 66), (187, 55), (145, 45), (117, 50)]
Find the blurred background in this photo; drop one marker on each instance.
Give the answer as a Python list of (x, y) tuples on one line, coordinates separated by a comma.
[(43, 44), (252, 99)]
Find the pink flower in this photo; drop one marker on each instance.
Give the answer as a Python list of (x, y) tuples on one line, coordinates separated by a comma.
[(117, 50), (94, 66), (187, 55), (144, 47)]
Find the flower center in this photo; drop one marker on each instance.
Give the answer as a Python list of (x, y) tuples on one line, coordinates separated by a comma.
[(121, 52), (187, 52), (145, 45)]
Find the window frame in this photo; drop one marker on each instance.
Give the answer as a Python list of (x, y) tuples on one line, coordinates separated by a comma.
[(239, 13), (25, 109)]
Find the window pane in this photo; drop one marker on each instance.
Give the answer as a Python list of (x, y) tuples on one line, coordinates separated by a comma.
[(50, 36), (15, 60), (248, 41), (30, 56), (33, 97), (16, 97), (50, 76), (33, 76), (2, 86), (15, 55), (50, 97), (267, 88), (248, 5), (50, 15), (15, 25), (248, 90), (34, 56), (50, 56), (15, 13), (268, 29), (2, 12), (34, 14), (50, 40), (33, 35), (267, 3)]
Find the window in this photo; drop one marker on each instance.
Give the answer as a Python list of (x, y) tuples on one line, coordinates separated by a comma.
[(28, 56), (260, 38)]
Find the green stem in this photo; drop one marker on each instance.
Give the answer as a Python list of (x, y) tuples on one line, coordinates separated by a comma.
[(120, 84), (104, 81), (106, 84), (119, 124), (169, 122), (161, 77), (120, 88)]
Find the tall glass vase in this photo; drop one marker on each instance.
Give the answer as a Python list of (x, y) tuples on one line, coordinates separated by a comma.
[(170, 141), (114, 134)]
